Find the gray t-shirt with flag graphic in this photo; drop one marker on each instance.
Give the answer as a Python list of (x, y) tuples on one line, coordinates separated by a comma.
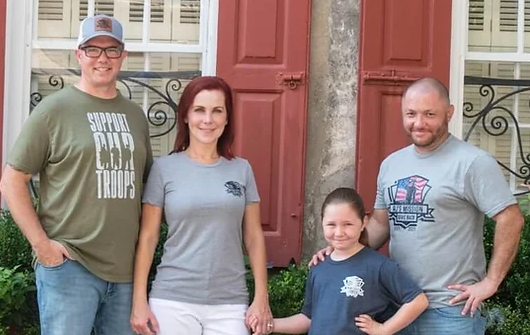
[(203, 206), (436, 204)]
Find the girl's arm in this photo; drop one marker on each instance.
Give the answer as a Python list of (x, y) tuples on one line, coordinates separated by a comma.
[(255, 246), (296, 324), (142, 320), (404, 316)]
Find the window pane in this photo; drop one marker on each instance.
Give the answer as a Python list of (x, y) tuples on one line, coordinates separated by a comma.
[(503, 129), (527, 26), (50, 72), (495, 131), (492, 25), (180, 24), (55, 19), (524, 98), (170, 74), (520, 163)]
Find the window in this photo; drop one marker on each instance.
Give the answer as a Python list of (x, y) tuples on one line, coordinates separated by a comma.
[(497, 62)]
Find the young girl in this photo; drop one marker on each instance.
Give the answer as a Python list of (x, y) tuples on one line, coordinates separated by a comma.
[(356, 289)]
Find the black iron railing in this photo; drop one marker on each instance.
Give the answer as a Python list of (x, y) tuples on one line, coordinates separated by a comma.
[(495, 118)]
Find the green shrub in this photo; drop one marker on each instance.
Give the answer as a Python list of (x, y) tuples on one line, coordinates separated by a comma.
[(18, 301), (504, 320), (158, 252), (286, 291), (509, 309), (15, 288), (515, 290), (14, 248)]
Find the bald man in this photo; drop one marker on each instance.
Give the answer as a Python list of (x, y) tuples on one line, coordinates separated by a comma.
[(431, 200)]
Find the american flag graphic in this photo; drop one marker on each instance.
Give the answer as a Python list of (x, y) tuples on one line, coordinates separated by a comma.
[(413, 184)]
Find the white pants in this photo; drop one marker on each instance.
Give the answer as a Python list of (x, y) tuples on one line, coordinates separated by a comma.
[(180, 318)]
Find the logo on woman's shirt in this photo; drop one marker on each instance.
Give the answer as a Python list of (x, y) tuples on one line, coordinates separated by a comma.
[(234, 188)]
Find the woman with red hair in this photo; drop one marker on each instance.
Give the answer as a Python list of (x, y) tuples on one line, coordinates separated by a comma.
[(210, 201)]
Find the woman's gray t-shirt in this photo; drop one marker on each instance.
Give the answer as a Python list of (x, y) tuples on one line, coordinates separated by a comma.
[(203, 207)]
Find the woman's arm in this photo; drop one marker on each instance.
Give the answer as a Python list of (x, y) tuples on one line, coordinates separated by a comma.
[(142, 320), (296, 324), (404, 316), (255, 245)]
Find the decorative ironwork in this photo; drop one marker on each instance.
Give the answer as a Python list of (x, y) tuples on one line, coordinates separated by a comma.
[(157, 115), (499, 123)]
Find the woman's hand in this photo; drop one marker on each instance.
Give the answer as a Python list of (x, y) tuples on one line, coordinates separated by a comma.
[(259, 317), (143, 321)]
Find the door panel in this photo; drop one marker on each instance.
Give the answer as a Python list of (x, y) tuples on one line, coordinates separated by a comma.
[(261, 44), (400, 42)]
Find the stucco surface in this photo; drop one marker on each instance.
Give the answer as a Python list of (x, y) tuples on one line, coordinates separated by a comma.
[(330, 151)]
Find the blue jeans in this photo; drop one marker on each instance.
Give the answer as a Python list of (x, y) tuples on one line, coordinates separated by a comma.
[(74, 301), (446, 321)]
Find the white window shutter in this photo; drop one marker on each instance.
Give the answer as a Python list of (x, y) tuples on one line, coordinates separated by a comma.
[(54, 18), (186, 22), (479, 27), (493, 25), (130, 14)]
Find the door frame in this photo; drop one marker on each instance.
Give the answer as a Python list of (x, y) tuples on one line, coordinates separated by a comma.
[(18, 71), (459, 24)]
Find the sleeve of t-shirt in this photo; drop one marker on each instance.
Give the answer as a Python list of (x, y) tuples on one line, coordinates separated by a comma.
[(154, 191), (486, 187), (379, 195), (32, 151), (397, 283), (308, 295), (251, 190)]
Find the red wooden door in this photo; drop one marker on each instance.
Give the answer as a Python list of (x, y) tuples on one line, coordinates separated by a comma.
[(261, 46), (400, 41)]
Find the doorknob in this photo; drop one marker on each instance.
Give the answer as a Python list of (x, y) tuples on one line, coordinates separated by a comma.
[(290, 79)]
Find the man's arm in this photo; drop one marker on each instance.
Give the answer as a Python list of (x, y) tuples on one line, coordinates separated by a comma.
[(508, 226), (14, 188), (378, 229)]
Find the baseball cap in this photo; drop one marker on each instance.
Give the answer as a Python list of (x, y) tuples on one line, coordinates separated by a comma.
[(99, 25)]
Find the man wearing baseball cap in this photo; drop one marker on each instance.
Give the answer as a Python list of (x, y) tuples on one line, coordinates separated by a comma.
[(90, 146)]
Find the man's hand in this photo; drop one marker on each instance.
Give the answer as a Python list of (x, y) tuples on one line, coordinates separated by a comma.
[(320, 256), (474, 294), (50, 252)]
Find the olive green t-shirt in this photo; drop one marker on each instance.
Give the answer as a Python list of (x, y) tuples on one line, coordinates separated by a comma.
[(92, 156)]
